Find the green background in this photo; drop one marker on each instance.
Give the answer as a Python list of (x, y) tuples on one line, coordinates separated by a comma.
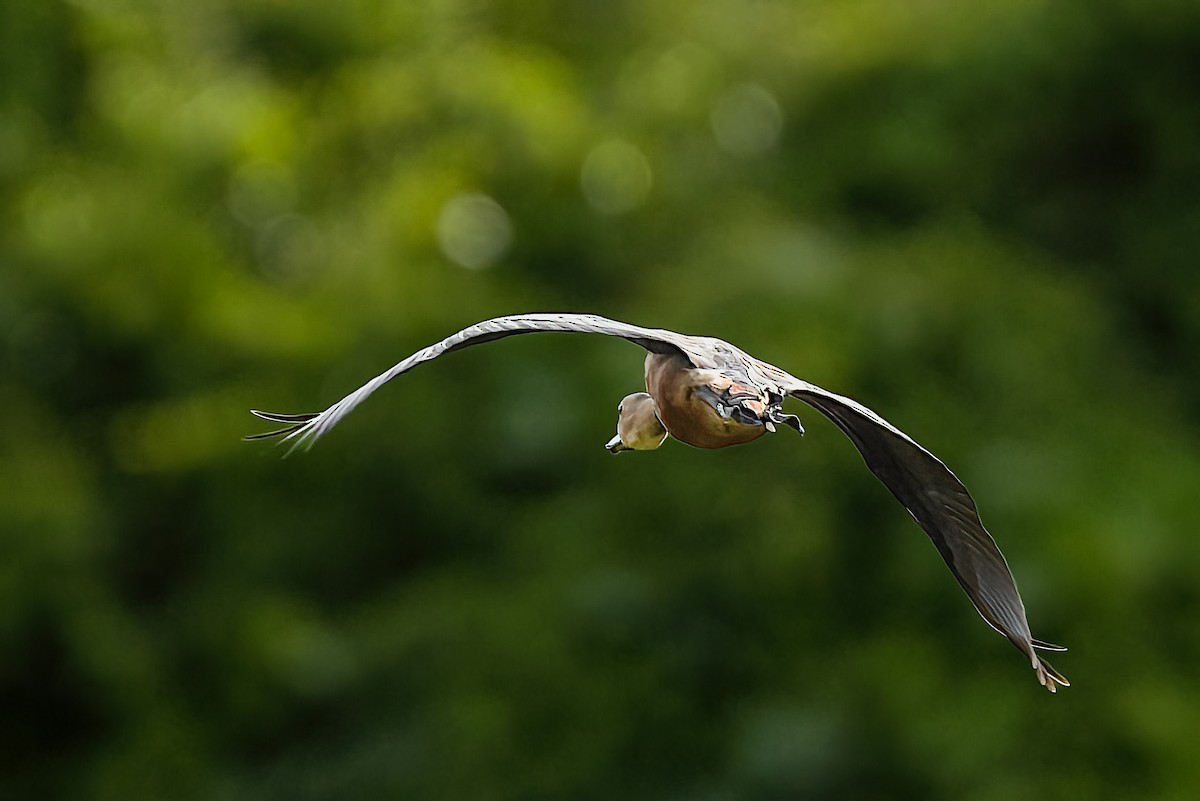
[(979, 219)]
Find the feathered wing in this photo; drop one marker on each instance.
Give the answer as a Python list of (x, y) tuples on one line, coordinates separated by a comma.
[(941, 505), (304, 429)]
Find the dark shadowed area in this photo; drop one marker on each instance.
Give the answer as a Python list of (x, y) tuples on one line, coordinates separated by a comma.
[(981, 220)]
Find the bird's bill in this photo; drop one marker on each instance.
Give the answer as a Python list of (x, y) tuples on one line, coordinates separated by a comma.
[(615, 445)]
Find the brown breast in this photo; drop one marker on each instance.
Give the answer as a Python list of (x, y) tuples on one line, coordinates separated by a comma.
[(671, 381)]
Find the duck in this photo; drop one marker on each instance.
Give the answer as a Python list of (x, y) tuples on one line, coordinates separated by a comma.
[(708, 393)]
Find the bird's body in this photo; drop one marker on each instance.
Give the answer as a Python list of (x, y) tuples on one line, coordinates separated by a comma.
[(679, 393), (710, 394)]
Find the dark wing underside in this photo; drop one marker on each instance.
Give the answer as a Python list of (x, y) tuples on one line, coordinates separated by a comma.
[(304, 429), (941, 505)]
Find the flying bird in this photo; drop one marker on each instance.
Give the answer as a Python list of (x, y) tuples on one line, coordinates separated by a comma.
[(710, 394)]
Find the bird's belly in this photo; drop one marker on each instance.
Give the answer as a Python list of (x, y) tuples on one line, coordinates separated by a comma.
[(699, 425)]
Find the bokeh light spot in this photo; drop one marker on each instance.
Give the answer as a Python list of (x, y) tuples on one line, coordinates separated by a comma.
[(616, 177), (746, 120), (473, 230)]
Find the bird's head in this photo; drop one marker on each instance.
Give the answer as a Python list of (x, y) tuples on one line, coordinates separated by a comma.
[(638, 426)]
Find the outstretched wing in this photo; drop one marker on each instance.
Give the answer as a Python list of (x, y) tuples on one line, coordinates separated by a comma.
[(941, 505), (304, 429)]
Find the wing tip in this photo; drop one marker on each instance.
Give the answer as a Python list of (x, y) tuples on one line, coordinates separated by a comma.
[(299, 428), (1049, 678), (276, 417), (1047, 646)]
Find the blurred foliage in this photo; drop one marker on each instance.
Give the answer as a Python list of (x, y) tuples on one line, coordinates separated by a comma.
[(982, 220)]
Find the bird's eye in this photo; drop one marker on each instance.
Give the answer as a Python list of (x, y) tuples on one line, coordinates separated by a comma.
[(620, 407)]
